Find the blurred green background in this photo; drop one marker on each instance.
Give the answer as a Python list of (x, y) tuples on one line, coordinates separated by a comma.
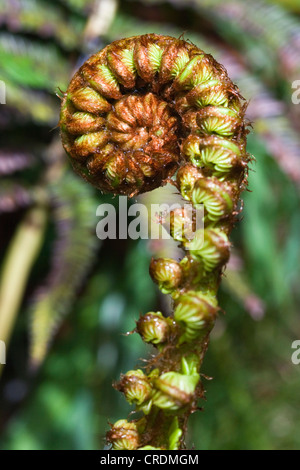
[(78, 296)]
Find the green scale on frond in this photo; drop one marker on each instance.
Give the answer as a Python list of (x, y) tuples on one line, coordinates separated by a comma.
[(127, 59), (197, 71), (179, 64), (155, 55)]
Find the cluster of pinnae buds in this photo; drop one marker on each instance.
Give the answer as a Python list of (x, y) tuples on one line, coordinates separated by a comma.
[(134, 114), (171, 391)]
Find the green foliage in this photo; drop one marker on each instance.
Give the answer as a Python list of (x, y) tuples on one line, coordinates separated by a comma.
[(72, 255), (47, 20), (31, 65)]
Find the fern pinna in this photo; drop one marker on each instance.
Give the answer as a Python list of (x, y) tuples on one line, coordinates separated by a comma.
[(134, 114)]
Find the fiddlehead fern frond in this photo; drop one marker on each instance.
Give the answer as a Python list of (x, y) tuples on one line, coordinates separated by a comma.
[(160, 104)]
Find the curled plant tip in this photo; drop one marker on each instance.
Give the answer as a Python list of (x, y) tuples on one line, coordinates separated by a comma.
[(210, 247), (135, 113), (187, 176), (124, 139), (124, 435), (196, 313), (154, 328), (166, 273), (136, 387)]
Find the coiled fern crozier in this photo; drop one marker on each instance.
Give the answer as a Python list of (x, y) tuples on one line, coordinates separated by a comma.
[(135, 113)]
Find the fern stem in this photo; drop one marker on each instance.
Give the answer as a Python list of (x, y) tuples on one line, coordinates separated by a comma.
[(23, 251)]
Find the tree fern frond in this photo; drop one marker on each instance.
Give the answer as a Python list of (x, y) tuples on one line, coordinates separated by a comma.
[(31, 105), (31, 63), (271, 24), (72, 256), (46, 20)]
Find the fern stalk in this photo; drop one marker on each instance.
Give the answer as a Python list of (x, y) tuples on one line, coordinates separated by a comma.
[(23, 251)]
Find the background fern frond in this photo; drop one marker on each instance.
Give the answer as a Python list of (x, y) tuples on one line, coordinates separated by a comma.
[(72, 256), (44, 19), (30, 64)]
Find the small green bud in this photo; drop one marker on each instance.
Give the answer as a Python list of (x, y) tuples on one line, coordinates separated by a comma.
[(212, 152), (218, 120), (189, 364), (174, 60), (220, 155), (198, 70), (87, 144), (211, 247), (182, 224), (121, 62), (209, 93), (216, 197), (148, 56), (101, 78), (115, 168), (175, 390), (186, 178), (135, 386), (154, 327), (124, 435), (196, 313), (166, 273), (192, 271), (82, 122)]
